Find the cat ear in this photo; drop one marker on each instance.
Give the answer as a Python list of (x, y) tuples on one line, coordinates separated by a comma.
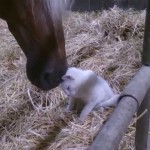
[(67, 77)]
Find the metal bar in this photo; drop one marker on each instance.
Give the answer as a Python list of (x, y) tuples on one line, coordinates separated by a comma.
[(146, 43), (112, 132), (142, 138)]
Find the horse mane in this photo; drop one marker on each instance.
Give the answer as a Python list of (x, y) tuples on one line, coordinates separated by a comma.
[(50, 9), (59, 5), (56, 7)]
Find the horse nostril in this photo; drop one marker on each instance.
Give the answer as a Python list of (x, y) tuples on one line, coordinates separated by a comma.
[(47, 76), (50, 78)]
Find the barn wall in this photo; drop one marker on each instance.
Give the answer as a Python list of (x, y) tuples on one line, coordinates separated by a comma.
[(90, 5)]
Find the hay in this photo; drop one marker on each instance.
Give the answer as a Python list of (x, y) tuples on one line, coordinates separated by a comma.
[(108, 42)]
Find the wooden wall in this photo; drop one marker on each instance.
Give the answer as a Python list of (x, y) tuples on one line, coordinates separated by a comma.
[(90, 5)]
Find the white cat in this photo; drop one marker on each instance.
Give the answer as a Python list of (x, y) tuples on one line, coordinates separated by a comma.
[(87, 91)]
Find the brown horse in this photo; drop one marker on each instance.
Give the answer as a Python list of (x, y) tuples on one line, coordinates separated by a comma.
[(37, 27)]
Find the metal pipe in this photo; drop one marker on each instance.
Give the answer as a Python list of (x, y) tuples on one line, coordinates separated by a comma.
[(142, 138), (146, 42), (113, 130)]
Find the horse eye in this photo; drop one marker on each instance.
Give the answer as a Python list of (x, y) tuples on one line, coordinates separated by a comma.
[(68, 88)]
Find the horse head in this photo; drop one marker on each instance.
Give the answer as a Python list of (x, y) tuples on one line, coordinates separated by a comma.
[(37, 27)]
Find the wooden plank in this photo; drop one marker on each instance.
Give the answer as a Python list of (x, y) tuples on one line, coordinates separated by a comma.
[(81, 5), (113, 130), (94, 5)]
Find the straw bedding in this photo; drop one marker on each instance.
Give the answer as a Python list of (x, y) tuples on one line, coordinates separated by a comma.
[(108, 42)]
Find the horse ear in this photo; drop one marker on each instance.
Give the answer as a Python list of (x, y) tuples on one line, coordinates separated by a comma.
[(67, 77)]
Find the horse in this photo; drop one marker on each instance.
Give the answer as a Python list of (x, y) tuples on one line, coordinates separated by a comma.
[(37, 27)]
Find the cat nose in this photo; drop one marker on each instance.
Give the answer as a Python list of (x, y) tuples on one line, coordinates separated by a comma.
[(63, 78)]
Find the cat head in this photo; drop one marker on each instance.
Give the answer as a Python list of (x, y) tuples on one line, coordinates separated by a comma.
[(75, 79)]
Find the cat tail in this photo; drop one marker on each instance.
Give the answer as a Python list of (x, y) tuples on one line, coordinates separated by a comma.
[(112, 102)]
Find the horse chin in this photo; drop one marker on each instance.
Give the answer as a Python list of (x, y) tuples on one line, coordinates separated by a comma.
[(49, 87), (46, 86)]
